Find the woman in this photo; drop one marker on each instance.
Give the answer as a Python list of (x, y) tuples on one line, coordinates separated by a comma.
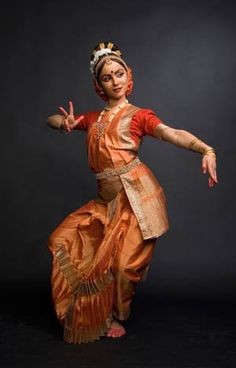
[(102, 250)]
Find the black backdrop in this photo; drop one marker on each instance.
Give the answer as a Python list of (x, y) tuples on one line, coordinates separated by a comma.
[(183, 59)]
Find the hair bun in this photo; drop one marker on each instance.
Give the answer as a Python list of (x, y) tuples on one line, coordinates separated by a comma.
[(106, 45), (103, 49)]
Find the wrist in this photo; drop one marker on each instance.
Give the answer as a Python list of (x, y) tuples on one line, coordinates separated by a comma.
[(199, 146), (210, 151)]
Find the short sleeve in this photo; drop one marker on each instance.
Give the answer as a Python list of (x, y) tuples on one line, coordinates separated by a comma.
[(144, 122)]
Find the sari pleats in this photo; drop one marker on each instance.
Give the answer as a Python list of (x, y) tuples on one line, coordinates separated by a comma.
[(91, 250)]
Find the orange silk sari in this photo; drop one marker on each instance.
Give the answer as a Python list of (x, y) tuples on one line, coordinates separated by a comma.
[(103, 249)]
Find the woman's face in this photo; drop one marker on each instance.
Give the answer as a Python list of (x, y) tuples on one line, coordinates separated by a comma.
[(113, 80)]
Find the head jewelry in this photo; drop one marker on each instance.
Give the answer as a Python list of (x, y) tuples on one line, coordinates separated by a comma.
[(102, 53), (105, 52)]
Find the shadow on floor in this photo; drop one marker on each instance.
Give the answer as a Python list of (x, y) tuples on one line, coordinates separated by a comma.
[(161, 333)]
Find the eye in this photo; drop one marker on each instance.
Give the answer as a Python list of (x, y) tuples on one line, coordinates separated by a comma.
[(106, 78), (120, 74)]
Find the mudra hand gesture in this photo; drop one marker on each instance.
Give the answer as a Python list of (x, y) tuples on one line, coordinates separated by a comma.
[(209, 165), (70, 122)]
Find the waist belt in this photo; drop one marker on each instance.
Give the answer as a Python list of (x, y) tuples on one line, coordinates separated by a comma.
[(107, 173)]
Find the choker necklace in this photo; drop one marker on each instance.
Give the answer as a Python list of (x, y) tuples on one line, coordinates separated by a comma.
[(101, 126), (107, 108)]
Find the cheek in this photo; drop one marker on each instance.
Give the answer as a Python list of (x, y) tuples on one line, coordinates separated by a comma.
[(103, 85), (124, 81), (106, 86)]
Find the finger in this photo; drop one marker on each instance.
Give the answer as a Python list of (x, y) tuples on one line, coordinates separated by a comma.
[(64, 111), (210, 182), (210, 166), (71, 108), (204, 165), (76, 122), (79, 119), (67, 125), (68, 128), (212, 172), (204, 168), (215, 176)]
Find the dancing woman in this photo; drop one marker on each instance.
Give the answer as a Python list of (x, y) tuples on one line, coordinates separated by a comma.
[(103, 249)]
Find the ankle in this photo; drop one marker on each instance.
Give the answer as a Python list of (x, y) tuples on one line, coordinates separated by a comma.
[(115, 319)]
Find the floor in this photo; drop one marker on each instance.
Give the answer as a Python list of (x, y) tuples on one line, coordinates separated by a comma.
[(161, 333)]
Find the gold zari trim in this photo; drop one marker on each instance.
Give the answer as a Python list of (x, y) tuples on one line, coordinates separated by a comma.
[(67, 268), (89, 313), (106, 174)]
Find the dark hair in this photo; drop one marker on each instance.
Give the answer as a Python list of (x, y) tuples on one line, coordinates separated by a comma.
[(113, 47)]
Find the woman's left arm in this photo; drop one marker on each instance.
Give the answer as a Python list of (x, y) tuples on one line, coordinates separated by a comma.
[(184, 139)]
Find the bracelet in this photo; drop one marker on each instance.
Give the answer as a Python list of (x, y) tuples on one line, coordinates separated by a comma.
[(192, 143), (204, 151), (211, 149), (209, 152)]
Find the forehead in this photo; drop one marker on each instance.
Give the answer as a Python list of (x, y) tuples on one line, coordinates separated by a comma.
[(111, 66)]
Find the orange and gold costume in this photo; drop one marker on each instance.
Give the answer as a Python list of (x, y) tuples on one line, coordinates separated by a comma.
[(103, 249)]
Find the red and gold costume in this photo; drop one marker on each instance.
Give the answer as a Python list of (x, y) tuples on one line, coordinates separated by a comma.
[(103, 249)]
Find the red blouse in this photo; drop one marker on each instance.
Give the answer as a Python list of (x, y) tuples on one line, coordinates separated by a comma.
[(142, 123)]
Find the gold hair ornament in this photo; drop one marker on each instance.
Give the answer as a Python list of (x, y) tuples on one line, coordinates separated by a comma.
[(108, 58)]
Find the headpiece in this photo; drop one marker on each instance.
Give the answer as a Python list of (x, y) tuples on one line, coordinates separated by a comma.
[(104, 53)]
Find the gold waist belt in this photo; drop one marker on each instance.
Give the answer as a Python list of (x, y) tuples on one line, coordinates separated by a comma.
[(107, 173)]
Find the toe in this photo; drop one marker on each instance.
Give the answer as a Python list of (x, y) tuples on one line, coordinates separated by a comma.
[(116, 330)]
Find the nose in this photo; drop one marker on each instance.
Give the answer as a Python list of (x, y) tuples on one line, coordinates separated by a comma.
[(114, 80)]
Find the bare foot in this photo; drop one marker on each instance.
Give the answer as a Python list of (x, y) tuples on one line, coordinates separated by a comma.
[(116, 330)]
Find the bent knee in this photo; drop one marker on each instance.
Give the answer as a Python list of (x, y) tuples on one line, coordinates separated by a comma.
[(54, 243)]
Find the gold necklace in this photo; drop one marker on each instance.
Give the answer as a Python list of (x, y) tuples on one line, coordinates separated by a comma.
[(101, 126)]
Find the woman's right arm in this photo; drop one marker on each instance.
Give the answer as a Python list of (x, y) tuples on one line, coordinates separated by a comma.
[(65, 122)]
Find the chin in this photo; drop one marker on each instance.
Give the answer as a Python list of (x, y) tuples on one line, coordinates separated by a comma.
[(119, 95)]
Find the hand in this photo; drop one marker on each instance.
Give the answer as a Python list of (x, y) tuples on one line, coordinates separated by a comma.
[(69, 119), (209, 164)]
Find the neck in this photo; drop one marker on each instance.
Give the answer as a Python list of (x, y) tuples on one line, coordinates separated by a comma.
[(115, 103)]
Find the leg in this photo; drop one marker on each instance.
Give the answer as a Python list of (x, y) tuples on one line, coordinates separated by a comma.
[(83, 245), (129, 267)]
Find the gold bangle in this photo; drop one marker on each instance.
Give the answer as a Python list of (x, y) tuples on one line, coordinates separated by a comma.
[(211, 149), (192, 143), (209, 154)]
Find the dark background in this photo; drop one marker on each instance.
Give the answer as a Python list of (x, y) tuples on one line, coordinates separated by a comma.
[(183, 59)]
